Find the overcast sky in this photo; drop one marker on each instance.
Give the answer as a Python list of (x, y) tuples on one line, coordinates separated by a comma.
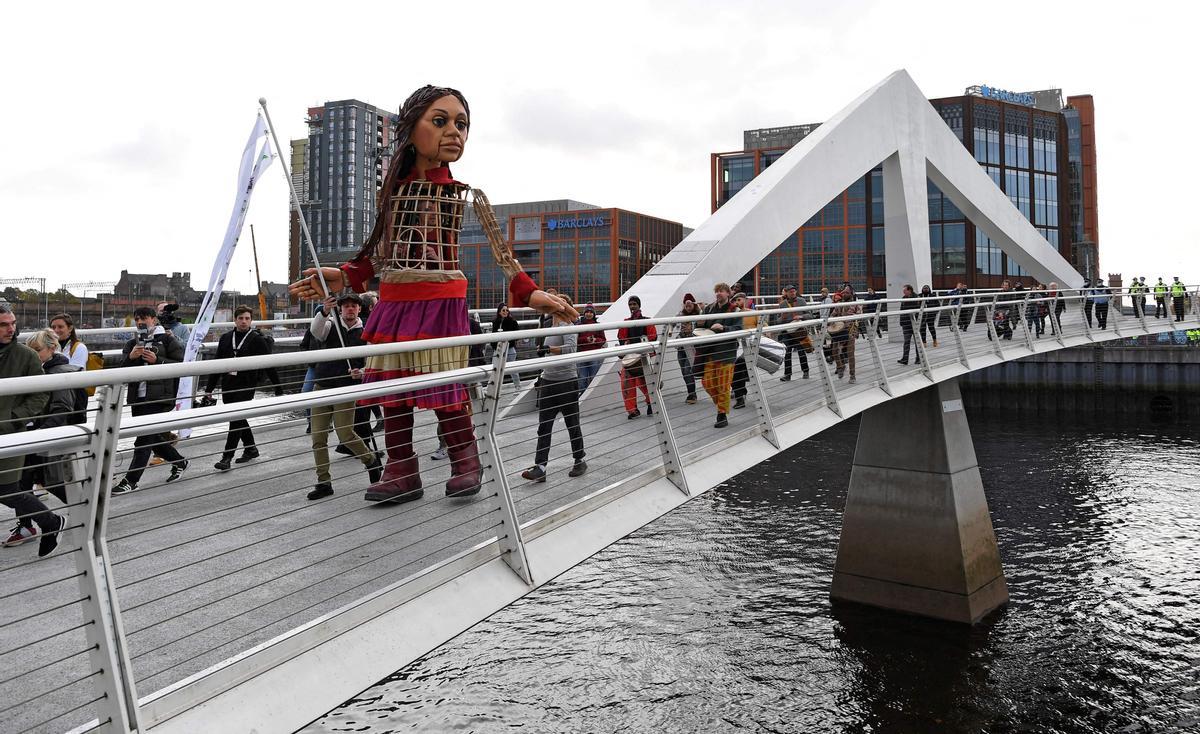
[(125, 121)]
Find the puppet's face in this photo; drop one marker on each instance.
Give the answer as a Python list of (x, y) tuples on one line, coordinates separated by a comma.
[(441, 133)]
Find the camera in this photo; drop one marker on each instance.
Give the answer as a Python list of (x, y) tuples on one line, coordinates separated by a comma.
[(144, 337)]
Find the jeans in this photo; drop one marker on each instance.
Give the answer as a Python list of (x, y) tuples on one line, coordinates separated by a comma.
[(929, 323), (310, 381), (512, 357), (587, 373), (685, 366), (791, 343), (157, 443), (25, 504), (558, 396)]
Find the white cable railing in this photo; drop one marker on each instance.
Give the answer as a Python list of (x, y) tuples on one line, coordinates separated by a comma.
[(157, 598)]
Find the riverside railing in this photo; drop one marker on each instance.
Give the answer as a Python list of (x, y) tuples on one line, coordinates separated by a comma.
[(158, 599)]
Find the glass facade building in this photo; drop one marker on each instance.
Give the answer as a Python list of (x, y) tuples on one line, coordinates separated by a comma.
[(590, 253), (1022, 147)]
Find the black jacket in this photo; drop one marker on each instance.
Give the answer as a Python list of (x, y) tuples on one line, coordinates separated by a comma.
[(238, 386), (908, 303), (63, 407), (153, 396), (336, 373)]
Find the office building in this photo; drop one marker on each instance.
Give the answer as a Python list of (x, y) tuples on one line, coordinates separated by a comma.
[(343, 164), (1038, 150), (590, 253)]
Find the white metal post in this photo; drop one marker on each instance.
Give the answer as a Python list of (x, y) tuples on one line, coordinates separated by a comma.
[(1114, 313), (106, 635), (919, 343), (511, 541), (876, 354), (958, 340), (991, 325), (666, 436), (831, 398), (760, 397), (1025, 320), (1083, 304)]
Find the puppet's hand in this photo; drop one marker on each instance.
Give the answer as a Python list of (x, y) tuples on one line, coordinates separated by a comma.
[(543, 302), (309, 288)]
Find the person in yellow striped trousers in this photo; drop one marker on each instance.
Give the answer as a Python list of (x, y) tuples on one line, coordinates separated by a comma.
[(719, 358)]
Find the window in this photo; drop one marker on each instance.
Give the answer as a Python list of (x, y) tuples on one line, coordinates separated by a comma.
[(987, 255), (986, 133)]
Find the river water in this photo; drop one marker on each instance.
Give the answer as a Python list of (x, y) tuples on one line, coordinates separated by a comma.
[(717, 617)]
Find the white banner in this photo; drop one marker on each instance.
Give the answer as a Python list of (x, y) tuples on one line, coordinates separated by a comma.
[(253, 164)]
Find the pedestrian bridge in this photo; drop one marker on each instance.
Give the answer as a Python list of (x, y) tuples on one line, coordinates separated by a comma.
[(229, 602), (226, 601)]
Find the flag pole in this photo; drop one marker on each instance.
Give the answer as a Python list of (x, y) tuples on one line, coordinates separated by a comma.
[(312, 251)]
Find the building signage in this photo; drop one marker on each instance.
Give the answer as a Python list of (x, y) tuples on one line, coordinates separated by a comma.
[(1004, 95), (577, 223)]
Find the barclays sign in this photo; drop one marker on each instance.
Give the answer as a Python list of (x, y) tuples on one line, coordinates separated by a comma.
[(577, 223), (1022, 98)]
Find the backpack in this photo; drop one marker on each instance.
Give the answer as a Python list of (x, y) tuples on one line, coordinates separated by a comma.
[(95, 361), (79, 415)]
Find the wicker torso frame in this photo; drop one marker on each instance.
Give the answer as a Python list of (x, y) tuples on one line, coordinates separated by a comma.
[(425, 220)]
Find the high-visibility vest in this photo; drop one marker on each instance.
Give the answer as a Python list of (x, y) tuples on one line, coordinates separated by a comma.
[(1177, 290), (1160, 289)]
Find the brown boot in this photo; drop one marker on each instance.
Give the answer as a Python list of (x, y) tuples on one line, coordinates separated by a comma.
[(401, 481), (465, 470)]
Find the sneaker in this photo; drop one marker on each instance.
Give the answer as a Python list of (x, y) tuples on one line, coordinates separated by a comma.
[(50, 530), (785, 378), (634, 414), (739, 403), (123, 487), (535, 473), (722, 421), (177, 470), (439, 454), (691, 399), (344, 450), (578, 470), (853, 381), (250, 454), (223, 465), (375, 469), (20, 534), (805, 376), (323, 489)]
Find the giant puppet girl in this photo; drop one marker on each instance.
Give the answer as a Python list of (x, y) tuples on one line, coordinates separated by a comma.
[(413, 248)]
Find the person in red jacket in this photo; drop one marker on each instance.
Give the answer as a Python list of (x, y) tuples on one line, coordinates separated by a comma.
[(633, 378), (413, 248)]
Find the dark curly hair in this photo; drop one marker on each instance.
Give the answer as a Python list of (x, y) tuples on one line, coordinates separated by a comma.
[(406, 153)]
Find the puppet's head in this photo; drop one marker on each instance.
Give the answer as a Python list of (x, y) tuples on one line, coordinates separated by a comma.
[(420, 123)]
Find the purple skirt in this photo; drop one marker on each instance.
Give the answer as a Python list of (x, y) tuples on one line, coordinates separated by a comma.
[(402, 321)]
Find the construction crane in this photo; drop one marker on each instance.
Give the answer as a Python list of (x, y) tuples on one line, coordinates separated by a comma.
[(41, 284), (95, 286)]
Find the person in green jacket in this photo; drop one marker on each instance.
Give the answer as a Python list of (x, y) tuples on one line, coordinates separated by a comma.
[(1160, 298), (18, 360), (1178, 291)]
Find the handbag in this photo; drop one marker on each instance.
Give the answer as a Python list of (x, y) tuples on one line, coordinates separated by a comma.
[(770, 355), (837, 327), (806, 343)]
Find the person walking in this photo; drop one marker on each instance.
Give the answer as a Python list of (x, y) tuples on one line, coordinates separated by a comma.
[(966, 311), (1035, 313), (872, 306), (505, 322), (589, 341), (338, 373), (1178, 291), (849, 307), (1059, 306), (910, 301), (633, 377), (793, 338), (741, 372), (719, 357), (1160, 298), (558, 393), (152, 345), (1089, 301), (18, 360), (237, 385), (929, 318), (1143, 289), (1100, 298), (686, 355)]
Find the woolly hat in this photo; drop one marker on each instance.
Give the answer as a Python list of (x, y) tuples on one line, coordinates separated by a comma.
[(688, 297), (635, 299)]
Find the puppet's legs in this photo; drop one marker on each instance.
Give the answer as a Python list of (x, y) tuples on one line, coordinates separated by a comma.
[(459, 432), (401, 480)]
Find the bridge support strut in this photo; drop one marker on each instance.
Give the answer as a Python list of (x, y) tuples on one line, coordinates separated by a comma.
[(916, 535)]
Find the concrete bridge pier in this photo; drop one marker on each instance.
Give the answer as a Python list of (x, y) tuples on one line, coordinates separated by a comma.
[(916, 535)]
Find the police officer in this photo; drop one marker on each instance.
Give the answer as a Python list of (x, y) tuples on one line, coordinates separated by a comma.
[(1160, 298), (1177, 293)]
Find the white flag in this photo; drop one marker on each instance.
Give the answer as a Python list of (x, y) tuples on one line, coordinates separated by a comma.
[(253, 164)]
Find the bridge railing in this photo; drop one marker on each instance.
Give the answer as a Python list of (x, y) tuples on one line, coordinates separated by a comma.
[(159, 599)]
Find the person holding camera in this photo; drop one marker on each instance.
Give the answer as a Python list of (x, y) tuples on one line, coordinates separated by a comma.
[(237, 386), (344, 317), (152, 345)]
